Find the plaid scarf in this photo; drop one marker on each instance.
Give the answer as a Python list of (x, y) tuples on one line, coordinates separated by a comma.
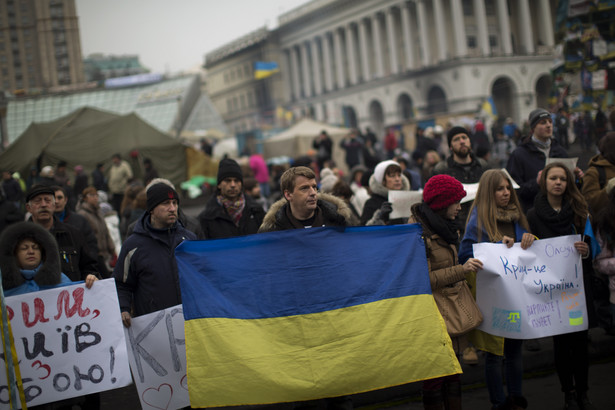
[(234, 208)]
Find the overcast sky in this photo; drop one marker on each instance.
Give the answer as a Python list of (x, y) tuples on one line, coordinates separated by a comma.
[(172, 36)]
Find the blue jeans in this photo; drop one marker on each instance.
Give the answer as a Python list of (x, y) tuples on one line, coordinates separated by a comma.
[(513, 371)]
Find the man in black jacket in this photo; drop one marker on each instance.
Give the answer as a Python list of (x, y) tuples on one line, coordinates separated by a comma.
[(77, 261), (229, 212)]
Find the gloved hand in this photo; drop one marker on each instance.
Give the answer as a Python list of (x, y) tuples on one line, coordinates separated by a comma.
[(385, 209)]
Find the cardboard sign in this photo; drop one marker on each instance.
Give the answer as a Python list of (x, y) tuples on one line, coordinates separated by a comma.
[(532, 293), (69, 341)]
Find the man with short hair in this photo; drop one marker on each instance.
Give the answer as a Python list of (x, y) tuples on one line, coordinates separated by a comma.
[(529, 158), (462, 165), (302, 205), (229, 212), (78, 263), (146, 271)]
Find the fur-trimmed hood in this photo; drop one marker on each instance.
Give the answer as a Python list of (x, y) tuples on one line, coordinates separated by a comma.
[(50, 271), (330, 205), (379, 189)]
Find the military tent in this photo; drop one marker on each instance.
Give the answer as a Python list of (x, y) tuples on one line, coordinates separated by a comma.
[(297, 140), (88, 136)]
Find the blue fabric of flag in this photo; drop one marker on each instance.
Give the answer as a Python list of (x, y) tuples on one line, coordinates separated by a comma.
[(595, 246), (306, 271)]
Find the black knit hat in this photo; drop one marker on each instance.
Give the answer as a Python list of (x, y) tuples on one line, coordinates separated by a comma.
[(537, 115), (158, 193), (37, 190), (229, 168), (454, 131)]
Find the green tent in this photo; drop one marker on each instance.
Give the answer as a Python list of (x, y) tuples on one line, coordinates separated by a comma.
[(88, 136)]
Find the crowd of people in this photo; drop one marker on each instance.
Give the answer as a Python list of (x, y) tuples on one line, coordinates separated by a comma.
[(115, 225)]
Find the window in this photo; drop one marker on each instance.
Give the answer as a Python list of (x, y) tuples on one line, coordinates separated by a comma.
[(493, 41), (471, 41), (468, 8), (489, 7)]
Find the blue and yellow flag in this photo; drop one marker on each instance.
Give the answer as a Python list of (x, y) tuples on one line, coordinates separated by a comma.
[(489, 107), (589, 232), (309, 313), (264, 69)]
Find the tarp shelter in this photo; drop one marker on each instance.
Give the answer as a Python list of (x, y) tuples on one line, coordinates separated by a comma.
[(297, 140), (88, 136)]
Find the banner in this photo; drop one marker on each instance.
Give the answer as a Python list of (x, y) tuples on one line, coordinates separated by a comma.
[(69, 342), (532, 293), (157, 353), (309, 313)]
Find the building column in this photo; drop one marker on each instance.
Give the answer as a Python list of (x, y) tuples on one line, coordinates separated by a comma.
[(504, 23), (459, 29), (546, 23), (288, 76), (316, 67), (305, 67), (376, 34), (440, 33), (351, 48), (326, 59), (339, 59), (481, 22), (422, 20), (527, 37), (364, 51), (406, 27), (392, 39), (294, 62)]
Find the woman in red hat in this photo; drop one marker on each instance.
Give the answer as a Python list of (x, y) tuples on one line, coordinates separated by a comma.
[(437, 215)]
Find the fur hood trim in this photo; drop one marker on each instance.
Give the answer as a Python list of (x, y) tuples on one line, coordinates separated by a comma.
[(331, 202), (379, 189), (48, 274)]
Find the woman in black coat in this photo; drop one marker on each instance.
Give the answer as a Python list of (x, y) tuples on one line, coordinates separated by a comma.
[(559, 210)]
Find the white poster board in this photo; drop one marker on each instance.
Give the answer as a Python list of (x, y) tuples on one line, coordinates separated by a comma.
[(533, 293), (69, 341), (157, 354), (570, 163), (402, 201)]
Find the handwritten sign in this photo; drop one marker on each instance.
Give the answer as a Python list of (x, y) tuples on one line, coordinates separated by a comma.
[(527, 294), (69, 342), (402, 201), (157, 354)]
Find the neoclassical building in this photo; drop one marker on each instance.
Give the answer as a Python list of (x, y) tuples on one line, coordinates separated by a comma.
[(378, 63)]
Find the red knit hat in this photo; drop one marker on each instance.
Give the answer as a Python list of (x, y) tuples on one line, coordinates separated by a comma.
[(441, 191)]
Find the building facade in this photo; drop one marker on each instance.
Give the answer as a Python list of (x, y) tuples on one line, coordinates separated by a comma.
[(377, 63), (99, 67), (40, 45)]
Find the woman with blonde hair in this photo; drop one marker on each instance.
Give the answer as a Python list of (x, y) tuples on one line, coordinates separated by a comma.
[(496, 216)]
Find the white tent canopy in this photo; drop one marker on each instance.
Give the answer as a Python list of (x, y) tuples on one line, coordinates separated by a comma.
[(297, 141)]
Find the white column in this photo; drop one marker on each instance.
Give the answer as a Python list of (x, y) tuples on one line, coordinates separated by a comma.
[(459, 29), (546, 23), (504, 23), (287, 73), (364, 51), (326, 59), (422, 20), (316, 67), (294, 62), (351, 48), (406, 27), (527, 37), (339, 59), (481, 21), (305, 67), (376, 33), (392, 39), (440, 33)]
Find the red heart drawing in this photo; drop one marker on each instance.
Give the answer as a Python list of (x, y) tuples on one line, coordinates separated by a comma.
[(156, 397), (184, 382)]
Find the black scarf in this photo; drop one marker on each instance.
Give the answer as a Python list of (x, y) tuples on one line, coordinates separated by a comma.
[(561, 223), (447, 229)]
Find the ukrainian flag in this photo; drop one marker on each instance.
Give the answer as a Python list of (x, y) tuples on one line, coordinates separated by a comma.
[(264, 69), (309, 313), (489, 107)]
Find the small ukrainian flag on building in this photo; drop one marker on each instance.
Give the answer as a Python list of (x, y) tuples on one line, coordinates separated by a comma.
[(264, 69)]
